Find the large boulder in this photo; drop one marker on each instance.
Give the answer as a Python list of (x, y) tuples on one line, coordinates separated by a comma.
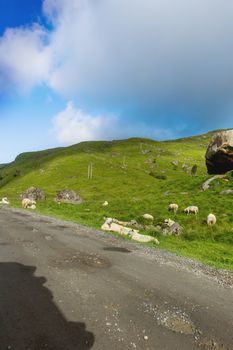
[(33, 193), (219, 155), (68, 196)]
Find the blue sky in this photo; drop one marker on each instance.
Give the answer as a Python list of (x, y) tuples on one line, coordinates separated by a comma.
[(89, 70)]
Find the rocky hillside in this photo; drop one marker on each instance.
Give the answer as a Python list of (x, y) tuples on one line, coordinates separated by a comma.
[(134, 176)]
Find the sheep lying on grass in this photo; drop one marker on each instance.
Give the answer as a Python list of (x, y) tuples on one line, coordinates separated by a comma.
[(173, 207), (28, 203), (211, 220), (4, 201), (192, 209)]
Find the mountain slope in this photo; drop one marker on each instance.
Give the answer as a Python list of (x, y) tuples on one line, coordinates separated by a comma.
[(135, 176)]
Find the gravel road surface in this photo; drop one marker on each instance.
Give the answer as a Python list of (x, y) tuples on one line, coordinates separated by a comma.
[(68, 287)]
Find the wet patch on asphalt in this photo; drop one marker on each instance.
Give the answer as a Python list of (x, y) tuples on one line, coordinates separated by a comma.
[(117, 249)]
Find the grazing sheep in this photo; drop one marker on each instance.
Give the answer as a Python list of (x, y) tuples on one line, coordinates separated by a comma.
[(4, 201), (148, 217), (105, 204), (211, 220), (173, 207), (28, 203), (192, 209)]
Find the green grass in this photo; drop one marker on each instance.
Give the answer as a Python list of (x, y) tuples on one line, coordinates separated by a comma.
[(133, 176)]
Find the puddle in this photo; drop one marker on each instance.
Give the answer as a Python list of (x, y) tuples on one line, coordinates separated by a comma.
[(117, 249)]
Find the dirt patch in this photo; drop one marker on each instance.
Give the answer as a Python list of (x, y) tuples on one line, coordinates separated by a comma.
[(81, 260), (117, 249)]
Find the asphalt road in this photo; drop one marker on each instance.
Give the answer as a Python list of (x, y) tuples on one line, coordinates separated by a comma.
[(63, 286)]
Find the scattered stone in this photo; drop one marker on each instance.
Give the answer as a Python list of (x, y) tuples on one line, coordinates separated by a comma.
[(227, 192), (110, 225), (167, 193), (193, 170), (169, 222), (33, 193), (219, 154), (173, 228), (143, 238), (175, 164), (185, 167), (68, 196), (206, 185)]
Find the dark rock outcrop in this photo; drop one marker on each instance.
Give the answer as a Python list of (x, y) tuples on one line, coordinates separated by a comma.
[(219, 155), (68, 196), (33, 193)]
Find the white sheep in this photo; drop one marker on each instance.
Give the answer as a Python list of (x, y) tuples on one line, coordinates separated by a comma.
[(173, 207), (148, 216), (192, 209), (105, 204), (28, 203), (211, 220), (4, 201)]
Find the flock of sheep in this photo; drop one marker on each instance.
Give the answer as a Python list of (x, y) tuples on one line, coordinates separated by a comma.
[(211, 218)]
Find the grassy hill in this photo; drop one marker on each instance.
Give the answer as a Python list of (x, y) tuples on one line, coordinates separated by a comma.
[(135, 176)]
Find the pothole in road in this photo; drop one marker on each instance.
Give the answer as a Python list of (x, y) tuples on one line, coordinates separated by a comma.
[(117, 249), (173, 318), (81, 259), (211, 345), (176, 321)]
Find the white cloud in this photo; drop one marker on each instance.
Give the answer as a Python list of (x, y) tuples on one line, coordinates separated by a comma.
[(73, 125), (24, 58)]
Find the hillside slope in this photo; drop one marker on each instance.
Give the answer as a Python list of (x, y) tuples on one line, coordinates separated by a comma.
[(135, 176)]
